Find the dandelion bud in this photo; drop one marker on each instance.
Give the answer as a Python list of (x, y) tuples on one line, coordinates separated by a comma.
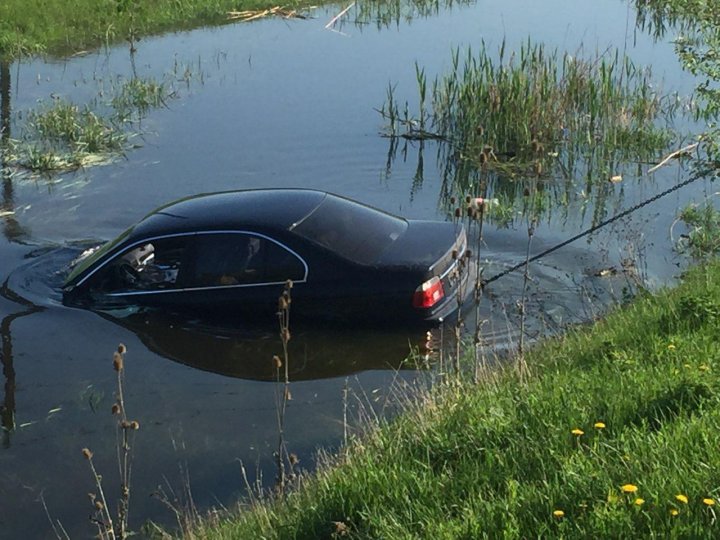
[(87, 453), (135, 425), (122, 349), (454, 254), (285, 335), (458, 212), (99, 506), (482, 158), (115, 408), (277, 361), (534, 145), (468, 198), (452, 200), (293, 459), (487, 149), (282, 303), (125, 424), (117, 361), (526, 192), (289, 284), (288, 395), (468, 253), (92, 497)]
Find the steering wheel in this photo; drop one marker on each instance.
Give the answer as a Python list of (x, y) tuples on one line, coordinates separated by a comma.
[(128, 274)]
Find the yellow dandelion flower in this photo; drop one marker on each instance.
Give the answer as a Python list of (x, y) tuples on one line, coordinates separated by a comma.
[(629, 488), (577, 432), (674, 512), (599, 425), (558, 513), (682, 498), (639, 501), (671, 347), (708, 502)]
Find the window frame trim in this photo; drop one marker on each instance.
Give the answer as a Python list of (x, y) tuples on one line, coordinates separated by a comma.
[(133, 245)]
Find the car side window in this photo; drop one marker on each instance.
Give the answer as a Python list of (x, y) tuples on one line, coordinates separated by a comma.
[(150, 266), (225, 259)]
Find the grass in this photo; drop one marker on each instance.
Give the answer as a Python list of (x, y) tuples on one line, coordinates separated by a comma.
[(62, 27), (614, 433)]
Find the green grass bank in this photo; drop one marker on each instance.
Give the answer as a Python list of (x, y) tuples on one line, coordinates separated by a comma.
[(614, 432), (66, 26)]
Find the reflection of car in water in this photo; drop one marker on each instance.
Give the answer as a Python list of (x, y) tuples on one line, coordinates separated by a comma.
[(232, 252), (226, 345), (247, 353)]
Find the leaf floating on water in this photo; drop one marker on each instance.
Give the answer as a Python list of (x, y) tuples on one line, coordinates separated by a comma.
[(27, 424), (53, 411)]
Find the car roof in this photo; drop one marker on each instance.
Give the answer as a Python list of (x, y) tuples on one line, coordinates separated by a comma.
[(258, 208)]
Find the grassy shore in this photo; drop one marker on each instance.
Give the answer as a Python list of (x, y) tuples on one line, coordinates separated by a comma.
[(66, 26), (615, 433)]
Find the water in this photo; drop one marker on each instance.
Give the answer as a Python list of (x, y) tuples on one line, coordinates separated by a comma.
[(269, 104)]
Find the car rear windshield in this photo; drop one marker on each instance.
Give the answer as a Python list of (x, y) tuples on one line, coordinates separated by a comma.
[(353, 231)]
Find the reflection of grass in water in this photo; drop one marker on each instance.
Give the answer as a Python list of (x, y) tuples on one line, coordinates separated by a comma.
[(536, 114), (64, 136), (383, 13)]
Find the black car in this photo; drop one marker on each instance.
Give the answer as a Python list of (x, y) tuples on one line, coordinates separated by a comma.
[(232, 252)]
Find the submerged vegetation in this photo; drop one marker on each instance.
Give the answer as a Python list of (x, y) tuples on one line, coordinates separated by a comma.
[(612, 431)]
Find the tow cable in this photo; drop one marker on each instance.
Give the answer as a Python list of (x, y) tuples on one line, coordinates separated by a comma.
[(591, 230)]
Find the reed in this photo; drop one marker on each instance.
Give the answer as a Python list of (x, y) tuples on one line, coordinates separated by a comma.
[(536, 114)]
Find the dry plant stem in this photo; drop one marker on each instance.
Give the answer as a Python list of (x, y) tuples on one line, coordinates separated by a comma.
[(124, 463), (526, 280), (345, 422), (339, 15), (672, 155), (284, 321), (52, 523), (477, 293), (105, 524)]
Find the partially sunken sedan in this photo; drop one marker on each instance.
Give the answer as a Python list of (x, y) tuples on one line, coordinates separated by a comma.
[(232, 252)]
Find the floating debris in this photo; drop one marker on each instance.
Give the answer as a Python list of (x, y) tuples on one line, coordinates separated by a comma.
[(254, 14)]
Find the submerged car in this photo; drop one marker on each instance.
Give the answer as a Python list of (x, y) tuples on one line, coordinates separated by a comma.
[(232, 252)]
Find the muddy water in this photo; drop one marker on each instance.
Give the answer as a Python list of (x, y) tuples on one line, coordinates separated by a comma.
[(269, 104)]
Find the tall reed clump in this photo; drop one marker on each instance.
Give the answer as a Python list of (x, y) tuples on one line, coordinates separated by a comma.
[(102, 517), (536, 113)]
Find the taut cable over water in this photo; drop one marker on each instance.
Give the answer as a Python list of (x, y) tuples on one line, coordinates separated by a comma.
[(600, 225)]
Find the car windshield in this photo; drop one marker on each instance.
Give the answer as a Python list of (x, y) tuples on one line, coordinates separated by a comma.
[(88, 257), (354, 231)]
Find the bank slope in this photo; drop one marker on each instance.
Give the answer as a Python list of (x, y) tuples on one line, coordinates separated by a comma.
[(614, 433)]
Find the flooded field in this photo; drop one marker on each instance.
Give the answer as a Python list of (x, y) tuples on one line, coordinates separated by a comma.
[(291, 103)]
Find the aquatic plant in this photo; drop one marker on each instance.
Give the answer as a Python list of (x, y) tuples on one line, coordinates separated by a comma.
[(703, 238), (536, 115)]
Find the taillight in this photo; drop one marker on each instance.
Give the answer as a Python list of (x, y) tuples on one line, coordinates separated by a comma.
[(429, 293)]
